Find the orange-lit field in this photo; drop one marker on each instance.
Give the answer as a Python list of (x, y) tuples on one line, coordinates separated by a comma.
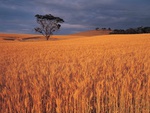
[(76, 74)]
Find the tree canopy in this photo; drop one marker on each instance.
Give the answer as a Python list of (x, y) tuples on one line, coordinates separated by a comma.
[(48, 24)]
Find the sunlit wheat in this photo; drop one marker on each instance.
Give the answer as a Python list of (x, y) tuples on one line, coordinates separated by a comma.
[(100, 74)]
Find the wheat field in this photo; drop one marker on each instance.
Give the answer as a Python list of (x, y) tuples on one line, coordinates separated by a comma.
[(97, 74)]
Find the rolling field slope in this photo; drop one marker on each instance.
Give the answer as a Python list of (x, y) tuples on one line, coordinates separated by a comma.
[(92, 33), (97, 74)]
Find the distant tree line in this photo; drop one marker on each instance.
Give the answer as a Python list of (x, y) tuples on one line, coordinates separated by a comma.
[(137, 30), (97, 29)]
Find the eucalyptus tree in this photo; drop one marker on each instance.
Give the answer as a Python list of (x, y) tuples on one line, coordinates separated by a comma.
[(48, 24)]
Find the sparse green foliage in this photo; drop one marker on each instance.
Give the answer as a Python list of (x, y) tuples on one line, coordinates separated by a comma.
[(48, 24)]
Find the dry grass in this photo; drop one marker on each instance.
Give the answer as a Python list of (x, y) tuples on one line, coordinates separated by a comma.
[(93, 33), (100, 74)]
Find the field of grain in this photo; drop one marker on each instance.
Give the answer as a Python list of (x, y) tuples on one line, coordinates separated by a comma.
[(99, 74)]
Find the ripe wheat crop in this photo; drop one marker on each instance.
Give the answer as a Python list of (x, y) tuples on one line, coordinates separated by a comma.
[(100, 74)]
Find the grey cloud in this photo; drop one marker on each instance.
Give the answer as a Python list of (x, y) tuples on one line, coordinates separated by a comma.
[(78, 15)]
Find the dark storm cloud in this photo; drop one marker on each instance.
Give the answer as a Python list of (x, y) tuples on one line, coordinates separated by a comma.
[(18, 15), (15, 16)]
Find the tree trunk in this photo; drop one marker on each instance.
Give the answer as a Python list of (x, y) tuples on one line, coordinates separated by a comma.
[(47, 37)]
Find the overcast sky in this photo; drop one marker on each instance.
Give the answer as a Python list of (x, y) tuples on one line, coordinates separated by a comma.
[(17, 16)]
